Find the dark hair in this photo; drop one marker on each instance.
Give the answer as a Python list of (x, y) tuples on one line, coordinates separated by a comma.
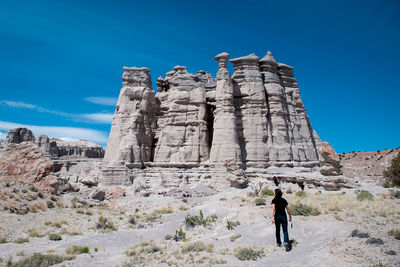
[(278, 193)]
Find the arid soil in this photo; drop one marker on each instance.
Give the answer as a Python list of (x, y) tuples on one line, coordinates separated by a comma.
[(139, 231), (367, 166)]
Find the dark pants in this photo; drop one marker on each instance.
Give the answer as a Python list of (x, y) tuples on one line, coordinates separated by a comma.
[(281, 220)]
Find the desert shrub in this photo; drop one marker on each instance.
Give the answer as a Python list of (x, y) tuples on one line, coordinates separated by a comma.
[(194, 247), (395, 233), (34, 232), (180, 235), (42, 260), (365, 195), (33, 209), (21, 240), (74, 202), (392, 174), (105, 224), (260, 201), (257, 188), (146, 247), (194, 220), (3, 240), (374, 241), (266, 192), (380, 264), (304, 210), (24, 191), (168, 237), (234, 237), (222, 199), (356, 233), (80, 212), (301, 194), (74, 233), (33, 188), (59, 224), (165, 210), (96, 249), (41, 206), (50, 204), (230, 225), (394, 193), (77, 250), (55, 237), (390, 252), (289, 190), (250, 253)]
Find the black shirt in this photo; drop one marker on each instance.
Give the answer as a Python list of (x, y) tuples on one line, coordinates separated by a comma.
[(280, 205)]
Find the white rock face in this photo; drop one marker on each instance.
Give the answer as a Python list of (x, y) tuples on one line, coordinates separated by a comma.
[(225, 143), (304, 147), (254, 120), (131, 136), (252, 111), (58, 149), (183, 137)]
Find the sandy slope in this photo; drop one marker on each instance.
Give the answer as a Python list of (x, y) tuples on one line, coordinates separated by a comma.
[(323, 240)]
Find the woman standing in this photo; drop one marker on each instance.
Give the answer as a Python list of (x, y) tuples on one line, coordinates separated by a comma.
[(279, 205)]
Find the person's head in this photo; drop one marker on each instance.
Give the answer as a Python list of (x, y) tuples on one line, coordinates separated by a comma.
[(278, 193)]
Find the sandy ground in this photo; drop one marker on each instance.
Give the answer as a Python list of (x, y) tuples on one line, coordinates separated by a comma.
[(322, 240)]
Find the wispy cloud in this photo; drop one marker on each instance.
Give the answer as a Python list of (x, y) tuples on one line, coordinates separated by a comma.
[(2, 135), (17, 104), (101, 117), (98, 117), (67, 133), (105, 101)]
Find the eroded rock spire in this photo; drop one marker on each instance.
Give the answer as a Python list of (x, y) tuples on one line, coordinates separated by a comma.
[(225, 144)]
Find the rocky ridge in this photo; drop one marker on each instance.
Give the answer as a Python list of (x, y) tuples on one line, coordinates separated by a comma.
[(53, 165), (367, 166)]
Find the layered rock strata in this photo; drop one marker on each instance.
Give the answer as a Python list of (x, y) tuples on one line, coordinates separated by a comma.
[(252, 111), (131, 137), (254, 119), (58, 149), (225, 143), (183, 138)]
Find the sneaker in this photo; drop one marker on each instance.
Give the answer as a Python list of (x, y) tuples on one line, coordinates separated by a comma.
[(287, 247), (279, 244)]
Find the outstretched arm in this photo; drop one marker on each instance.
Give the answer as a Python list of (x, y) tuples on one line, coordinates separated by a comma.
[(288, 211), (273, 213)]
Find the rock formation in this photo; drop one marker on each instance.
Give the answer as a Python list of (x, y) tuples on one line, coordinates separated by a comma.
[(183, 138), (18, 135), (52, 164), (252, 111), (131, 137), (225, 143), (330, 160), (196, 124), (59, 149)]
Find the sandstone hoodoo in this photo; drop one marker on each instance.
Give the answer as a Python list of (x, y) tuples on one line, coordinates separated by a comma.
[(195, 124)]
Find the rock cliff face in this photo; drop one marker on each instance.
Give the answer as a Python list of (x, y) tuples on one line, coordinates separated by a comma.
[(254, 119), (183, 138), (59, 149), (52, 164), (18, 135), (131, 137)]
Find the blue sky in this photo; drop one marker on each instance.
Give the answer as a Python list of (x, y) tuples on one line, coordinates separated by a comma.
[(61, 61)]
